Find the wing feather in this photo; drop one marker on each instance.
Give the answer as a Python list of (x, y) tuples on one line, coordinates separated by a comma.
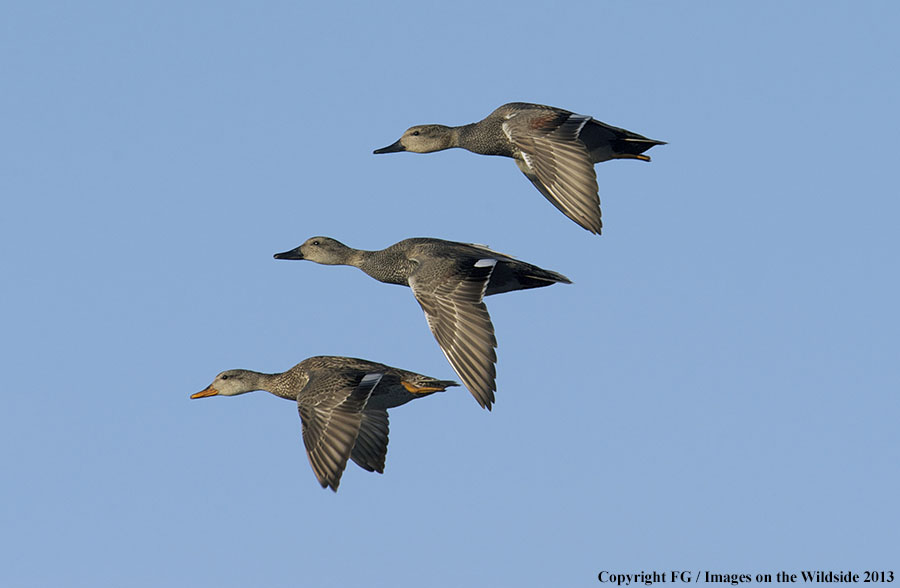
[(461, 324), (331, 411), (558, 163), (370, 449)]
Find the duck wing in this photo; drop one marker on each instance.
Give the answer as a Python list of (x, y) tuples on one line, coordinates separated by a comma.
[(557, 162), (459, 320), (370, 448), (331, 409)]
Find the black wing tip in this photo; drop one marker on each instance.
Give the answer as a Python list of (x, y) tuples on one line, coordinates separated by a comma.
[(377, 468)]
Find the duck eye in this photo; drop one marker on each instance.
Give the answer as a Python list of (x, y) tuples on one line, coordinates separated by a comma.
[(315, 242), (415, 133), (225, 377)]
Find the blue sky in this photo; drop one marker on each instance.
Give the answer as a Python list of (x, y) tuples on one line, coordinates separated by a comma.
[(717, 390)]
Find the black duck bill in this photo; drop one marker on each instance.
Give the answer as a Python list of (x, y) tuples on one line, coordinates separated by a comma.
[(392, 148), (292, 254)]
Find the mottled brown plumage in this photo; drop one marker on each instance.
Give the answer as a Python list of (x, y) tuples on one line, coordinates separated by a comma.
[(343, 404), (449, 280), (555, 149)]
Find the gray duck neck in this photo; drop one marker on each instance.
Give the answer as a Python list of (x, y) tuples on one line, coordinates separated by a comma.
[(283, 385), (389, 265), (485, 138), (259, 380)]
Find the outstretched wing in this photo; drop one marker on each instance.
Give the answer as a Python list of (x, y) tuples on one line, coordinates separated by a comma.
[(461, 323), (331, 409), (557, 162)]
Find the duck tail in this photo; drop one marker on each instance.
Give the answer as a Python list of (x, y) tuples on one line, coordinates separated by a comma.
[(522, 276), (547, 277), (630, 145)]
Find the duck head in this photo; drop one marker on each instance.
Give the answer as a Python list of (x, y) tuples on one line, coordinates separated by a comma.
[(422, 139), (324, 250), (230, 383)]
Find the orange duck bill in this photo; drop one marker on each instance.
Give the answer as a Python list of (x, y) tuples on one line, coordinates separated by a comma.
[(208, 391)]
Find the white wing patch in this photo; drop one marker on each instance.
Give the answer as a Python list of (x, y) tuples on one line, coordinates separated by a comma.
[(372, 379), (584, 120), (486, 263)]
